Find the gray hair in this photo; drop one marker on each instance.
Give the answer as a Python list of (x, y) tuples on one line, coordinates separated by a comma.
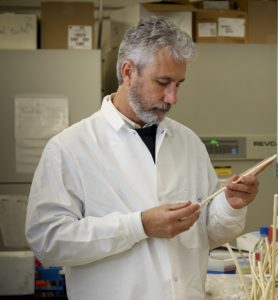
[(142, 41)]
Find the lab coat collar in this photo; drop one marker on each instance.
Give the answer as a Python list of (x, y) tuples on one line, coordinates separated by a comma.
[(116, 121), (163, 127), (110, 113)]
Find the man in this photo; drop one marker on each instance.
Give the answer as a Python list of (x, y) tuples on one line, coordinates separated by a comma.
[(115, 198)]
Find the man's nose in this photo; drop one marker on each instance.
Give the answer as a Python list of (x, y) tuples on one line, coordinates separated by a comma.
[(170, 95)]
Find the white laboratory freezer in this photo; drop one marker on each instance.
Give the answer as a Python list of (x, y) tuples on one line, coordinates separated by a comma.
[(75, 74)]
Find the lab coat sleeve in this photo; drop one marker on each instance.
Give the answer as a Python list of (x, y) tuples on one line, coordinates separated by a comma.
[(224, 222), (56, 229)]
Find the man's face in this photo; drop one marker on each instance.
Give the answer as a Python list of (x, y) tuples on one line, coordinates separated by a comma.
[(154, 90)]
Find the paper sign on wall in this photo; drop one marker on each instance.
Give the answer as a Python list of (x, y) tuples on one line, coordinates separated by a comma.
[(232, 27), (80, 37), (207, 29), (37, 119)]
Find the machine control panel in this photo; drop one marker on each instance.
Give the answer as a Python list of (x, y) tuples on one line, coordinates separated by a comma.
[(225, 147), (242, 147)]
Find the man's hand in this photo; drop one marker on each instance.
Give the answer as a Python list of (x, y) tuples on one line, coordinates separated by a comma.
[(166, 221), (242, 193)]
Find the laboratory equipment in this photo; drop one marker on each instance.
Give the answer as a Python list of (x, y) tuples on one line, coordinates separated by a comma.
[(248, 241)]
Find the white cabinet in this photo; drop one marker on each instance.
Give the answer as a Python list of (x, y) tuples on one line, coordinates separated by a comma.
[(71, 73)]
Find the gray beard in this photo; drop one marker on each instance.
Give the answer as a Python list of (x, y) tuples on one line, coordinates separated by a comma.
[(150, 116)]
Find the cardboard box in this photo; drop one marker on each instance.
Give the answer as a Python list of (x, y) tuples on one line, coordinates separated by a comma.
[(214, 26), (18, 31), (262, 22), (122, 19), (67, 25), (240, 5)]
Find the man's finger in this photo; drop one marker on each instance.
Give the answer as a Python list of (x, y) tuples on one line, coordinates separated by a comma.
[(185, 212)]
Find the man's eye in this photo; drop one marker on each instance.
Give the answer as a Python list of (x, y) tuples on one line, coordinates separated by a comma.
[(162, 83)]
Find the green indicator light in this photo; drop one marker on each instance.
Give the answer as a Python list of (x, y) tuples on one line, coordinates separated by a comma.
[(214, 142)]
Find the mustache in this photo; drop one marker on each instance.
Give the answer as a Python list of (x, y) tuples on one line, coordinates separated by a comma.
[(161, 106)]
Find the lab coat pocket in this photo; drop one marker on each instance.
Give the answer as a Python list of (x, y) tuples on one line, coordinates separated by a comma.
[(196, 236), (170, 195)]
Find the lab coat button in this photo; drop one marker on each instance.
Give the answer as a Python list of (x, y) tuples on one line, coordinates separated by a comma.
[(176, 279)]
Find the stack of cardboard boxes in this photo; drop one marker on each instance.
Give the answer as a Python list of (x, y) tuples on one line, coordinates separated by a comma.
[(70, 25), (122, 19), (220, 26), (207, 21), (63, 25)]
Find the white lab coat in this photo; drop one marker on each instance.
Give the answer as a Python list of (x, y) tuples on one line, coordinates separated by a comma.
[(91, 184)]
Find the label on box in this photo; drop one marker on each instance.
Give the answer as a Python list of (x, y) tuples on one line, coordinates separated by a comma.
[(79, 37), (231, 27), (207, 29)]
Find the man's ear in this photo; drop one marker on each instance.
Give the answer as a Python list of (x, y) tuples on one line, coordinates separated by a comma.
[(128, 70)]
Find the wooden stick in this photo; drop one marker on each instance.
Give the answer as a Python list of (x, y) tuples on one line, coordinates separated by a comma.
[(240, 273), (255, 170), (209, 198), (253, 275), (269, 284), (258, 168), (267, 256), (243, 257), (261, 277)]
